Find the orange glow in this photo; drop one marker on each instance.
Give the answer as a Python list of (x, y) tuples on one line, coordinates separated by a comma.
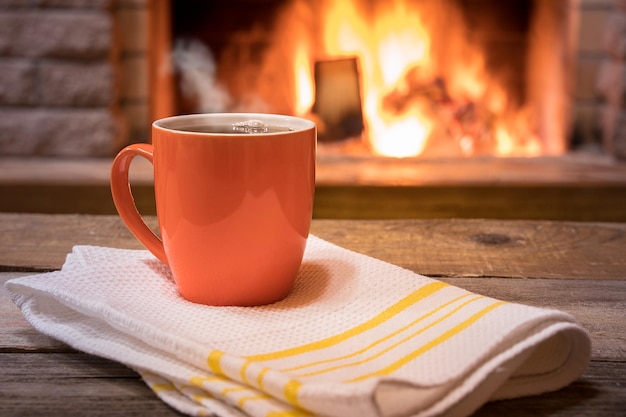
[(514, 139), (394, 43), (395, 141), (414, 90), (305, 91)]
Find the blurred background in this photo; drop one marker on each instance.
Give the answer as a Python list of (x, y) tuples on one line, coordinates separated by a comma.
[(425, 108)]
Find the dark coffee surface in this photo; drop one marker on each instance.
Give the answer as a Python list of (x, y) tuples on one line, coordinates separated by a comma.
[(233, 130)]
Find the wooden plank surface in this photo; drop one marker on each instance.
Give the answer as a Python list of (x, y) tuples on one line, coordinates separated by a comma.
[(16, 334), (480, 248), (575, 267), (66, 381), (83, 385), (73, 384)]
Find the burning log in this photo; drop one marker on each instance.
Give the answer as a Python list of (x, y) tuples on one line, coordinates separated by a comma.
[(469, 123), (338, 100), (414, 88)]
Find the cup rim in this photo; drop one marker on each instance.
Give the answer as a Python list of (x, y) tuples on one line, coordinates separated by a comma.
[(174, 123)]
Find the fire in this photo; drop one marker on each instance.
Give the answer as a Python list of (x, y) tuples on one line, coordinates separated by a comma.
[(304, 83), (411, 94), (385, 50)]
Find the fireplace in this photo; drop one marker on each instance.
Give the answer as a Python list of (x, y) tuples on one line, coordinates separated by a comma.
[(86, 78), (101, 68), (402, 78)]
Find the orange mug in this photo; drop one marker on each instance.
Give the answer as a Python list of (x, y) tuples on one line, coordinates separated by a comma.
[(234, 199)]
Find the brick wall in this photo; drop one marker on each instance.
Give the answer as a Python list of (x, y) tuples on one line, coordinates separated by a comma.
[(62, 67), (131, 18), (588, 104)]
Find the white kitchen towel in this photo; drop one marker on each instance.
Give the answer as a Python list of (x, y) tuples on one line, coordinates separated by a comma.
[(356, 337)]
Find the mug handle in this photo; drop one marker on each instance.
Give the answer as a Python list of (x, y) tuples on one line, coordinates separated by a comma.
[(125, 203)]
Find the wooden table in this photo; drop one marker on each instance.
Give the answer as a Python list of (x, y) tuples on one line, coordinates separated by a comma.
[(576, 267)]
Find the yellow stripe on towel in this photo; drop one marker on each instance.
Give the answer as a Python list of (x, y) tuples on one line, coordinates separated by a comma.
[(389, 348), (381, 340), (213, 360), (436, 341), (390, 312), (291, 392)]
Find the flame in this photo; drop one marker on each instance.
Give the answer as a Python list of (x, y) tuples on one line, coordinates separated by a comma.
[(305, 91), (395, 141), (395, 42), (508, 139), (407, 96)]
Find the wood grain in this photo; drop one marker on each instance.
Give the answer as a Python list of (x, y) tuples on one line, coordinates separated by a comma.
[(73, 384), (598, 305), (77, 384), (579, 268), (16, 334), (442, 248), (52, 238)]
